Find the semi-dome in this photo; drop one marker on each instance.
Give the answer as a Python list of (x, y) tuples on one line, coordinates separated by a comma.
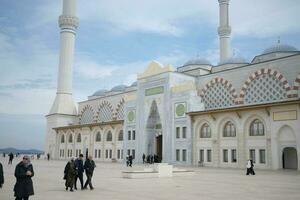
[(197, 61), (133, 84), (280, 48), (100, 92), (119, 88)]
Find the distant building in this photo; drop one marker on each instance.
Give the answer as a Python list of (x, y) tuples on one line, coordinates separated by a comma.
[(216, 115)]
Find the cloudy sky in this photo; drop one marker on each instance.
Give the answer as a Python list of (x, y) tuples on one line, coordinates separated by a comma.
[(115, 41)]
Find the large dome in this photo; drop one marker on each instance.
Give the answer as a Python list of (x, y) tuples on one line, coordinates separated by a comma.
[(197, 61), (100, 92), (280, 48), (119, 88)]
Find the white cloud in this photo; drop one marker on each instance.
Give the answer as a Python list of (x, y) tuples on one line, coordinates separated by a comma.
[(257, 18), (88, 68)]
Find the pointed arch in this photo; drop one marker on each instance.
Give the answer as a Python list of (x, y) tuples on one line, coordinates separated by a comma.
[(62, 138), (78, 138), (218, 93), (264, 85), (70, 138), (105, 112)]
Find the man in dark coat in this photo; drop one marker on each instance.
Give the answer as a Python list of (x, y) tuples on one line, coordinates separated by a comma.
[(11, 157), (89, 166), (23, 173), (1, 176), (70, 173), (79, 171), (130, 160), (144, 157)]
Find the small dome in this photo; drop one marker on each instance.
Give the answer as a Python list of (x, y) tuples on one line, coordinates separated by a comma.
[(279, 48), (100, 92), (234, 60), (197, 61), (133, 84), (119, 88)]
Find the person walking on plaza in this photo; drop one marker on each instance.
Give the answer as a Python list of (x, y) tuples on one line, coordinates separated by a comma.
[(79, 171), (89, 166), (11, 157), (250, 166), (1, 175), (23, 173), (130, 158), (48, 156), (144, 157), (127, 160), (69, 175)]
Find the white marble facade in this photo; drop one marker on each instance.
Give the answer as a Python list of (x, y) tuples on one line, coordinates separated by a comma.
[(199, 114)]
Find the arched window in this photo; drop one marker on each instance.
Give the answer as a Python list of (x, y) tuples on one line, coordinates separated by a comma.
[(109, 136), (70, 140), (120, 137), (62, 139), (78, 138), (205, 131), (257, 128), (229, 130), (98, 137)]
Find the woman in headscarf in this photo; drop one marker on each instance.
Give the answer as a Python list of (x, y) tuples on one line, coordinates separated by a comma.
[(70, 174), (23, 173)]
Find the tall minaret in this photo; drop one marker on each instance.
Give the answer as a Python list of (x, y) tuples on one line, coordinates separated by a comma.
[(224, 31), (68, 23), (63, 111)]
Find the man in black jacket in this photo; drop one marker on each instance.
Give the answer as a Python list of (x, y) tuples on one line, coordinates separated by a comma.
[(89, 167), (23, 173), (1, 176), (79, 170)]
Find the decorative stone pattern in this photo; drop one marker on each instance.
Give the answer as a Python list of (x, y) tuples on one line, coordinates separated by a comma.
[(180, 109), (87, 115), (131, 116), (218, 93), (105, 112), (264, 85), (119, 114), (70, 22), (296, 87)]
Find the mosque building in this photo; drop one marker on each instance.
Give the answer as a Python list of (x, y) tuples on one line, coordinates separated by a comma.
[(218, 116)]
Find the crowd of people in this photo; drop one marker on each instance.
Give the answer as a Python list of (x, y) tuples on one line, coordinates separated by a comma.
[(151, 159), (73, 171)]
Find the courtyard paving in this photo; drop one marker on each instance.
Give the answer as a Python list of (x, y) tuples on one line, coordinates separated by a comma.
[(205, 184)]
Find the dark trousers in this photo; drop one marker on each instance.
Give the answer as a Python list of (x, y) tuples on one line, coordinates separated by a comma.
[(10, 161), (89, 181), (22, 198), (250, 171), (80, 176)]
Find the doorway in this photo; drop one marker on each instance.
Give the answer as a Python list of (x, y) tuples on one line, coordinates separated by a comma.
[(154, 137), (159, 147), (289, 158)]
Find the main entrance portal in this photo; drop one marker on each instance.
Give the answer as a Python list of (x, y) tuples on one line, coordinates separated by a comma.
[(154, 141)]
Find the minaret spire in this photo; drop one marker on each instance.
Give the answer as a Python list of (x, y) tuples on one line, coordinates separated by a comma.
[(224, 31), (68, 23)]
